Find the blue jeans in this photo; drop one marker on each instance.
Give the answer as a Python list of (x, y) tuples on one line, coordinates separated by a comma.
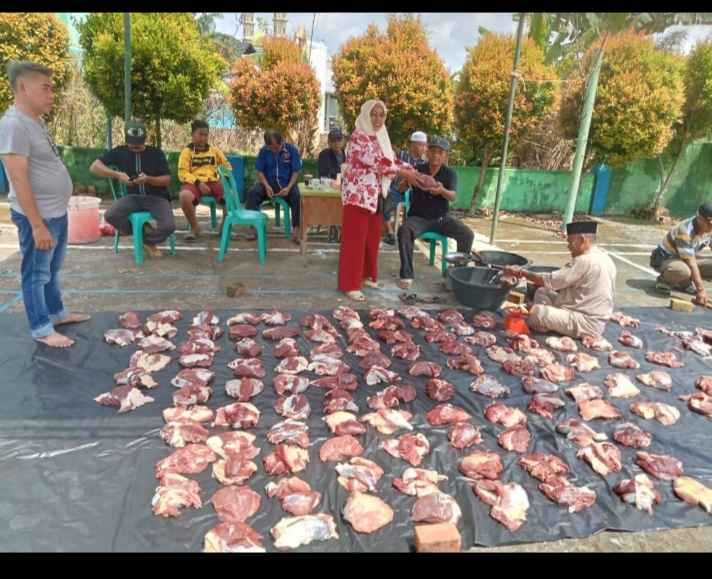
[(392, 200), (40, 274)]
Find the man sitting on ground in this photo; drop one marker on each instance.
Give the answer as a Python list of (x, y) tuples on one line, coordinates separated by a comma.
[(429, 209), (676, 256), (198, 174), (577, 299), (144, 170), (277, 167), (329, 166)]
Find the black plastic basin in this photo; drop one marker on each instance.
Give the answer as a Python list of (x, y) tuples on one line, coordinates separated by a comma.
[(471, 290), (531, 288), (502, 258)]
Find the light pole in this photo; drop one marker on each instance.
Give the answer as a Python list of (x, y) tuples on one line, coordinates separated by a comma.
[(127, 67)]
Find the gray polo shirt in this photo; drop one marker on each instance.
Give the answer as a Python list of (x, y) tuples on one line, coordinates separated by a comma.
[(49, 178)]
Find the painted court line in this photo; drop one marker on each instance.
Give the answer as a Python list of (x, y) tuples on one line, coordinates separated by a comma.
[(635, 265)]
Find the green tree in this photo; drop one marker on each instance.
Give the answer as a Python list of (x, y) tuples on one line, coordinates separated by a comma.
[(401, 69), (37, 36), (172, 70)]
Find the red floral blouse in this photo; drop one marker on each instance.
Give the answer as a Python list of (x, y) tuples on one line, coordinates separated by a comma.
[(363, 169)]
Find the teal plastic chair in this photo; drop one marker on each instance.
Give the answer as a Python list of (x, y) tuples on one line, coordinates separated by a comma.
[(432, 237), (138, 219), (279, 205), (238, 215), (209, 201)]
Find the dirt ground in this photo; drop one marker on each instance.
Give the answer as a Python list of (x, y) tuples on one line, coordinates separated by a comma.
[(95, 279)]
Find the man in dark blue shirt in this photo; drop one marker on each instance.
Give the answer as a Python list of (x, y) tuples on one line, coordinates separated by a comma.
[(277, 166)]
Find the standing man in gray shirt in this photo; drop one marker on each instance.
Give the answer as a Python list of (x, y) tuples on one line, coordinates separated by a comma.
[(40, 187)]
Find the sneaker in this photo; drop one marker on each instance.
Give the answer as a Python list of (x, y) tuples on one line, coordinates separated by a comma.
[(690, 289), (390, 239), (661, 286)]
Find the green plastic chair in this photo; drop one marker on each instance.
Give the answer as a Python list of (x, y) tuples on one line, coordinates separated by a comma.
[(279, 203), (238, 215), (138, 219), (209, 201), (433, 238)]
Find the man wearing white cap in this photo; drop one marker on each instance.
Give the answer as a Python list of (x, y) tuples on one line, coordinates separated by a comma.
[(414, 154)]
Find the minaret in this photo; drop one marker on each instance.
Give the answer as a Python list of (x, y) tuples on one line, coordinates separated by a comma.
[(247, 19), (280, 23)]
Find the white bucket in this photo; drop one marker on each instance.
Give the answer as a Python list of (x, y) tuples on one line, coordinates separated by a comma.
[(84, 220)]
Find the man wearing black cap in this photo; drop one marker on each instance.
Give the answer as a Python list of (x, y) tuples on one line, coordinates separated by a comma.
[(577, 299), (429, 204), (676, 256), (329, 166), (144, 170)]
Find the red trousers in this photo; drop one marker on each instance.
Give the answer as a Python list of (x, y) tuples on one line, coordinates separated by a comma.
[(360, 240)]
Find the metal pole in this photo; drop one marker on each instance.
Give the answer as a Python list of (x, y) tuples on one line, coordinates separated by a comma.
[(109, 136), (127, 67), (582, 138), (507, 126)]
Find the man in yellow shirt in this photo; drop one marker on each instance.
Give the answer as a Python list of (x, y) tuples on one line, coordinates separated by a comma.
[(198, 174)]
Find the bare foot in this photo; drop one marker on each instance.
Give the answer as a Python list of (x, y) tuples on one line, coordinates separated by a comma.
[(73, 318), (405, 283), (55, 340), (153, 250)]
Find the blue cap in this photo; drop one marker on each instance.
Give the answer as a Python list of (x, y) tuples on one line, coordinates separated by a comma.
[(440, 142)]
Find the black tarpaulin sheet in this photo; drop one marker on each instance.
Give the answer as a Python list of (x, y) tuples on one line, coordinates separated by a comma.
[(77, 476)]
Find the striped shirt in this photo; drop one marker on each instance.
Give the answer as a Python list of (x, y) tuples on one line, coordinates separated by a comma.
[(682, 241)]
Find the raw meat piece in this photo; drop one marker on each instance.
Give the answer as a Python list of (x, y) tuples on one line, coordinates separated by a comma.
[(341, 401), (504, 415), (292, 365), (285, 384), (190, 376), (239, 415), (439, 390), (697, 346), (543, 466), (418, 481), (375, 359), (444, 414), (233, 538), (563, 344), (127, 398), (205, 331), (164, 330), (359, 474), (656, 379), (661, 466), (463, 329), (532, 385), (436, 507), (196, 360), (130, 321), (481, 464), (192, 459), (488, 385), (320, 336), (191, 395), (427, 369), (499, 354), (194, 414), (622, 360), (205, 317), (244, 389), (275, 318), (630, 340), (293, 532), (620, 386), (579, 433), (367, 513), (281, 332), (410, 312), (597, 343), (625, 321), (597, 408), (391, 337), (178, 434), (295, 407), (463, 434), (387, 421), (706, 335), (326, 366), (519, 367), (388, 323), (121, 337), (515, 439), (344, 423), (557, 373), (425, 322), (406, 351), (199, 346), (233, 443), (286, 348), (451, 316), (509, 502), (410, 447), (245, 318), (376, 313), (439, 336), (362, 345), (240, 331), (247, 368), (296, 496), (583, 362), (377, 375), (693, 492), (545, 405), (523, 343), (699, 402), (467, 363), (392, 396), (485, 320), (332, 350), (345, 381), (286, 459), (631, 435), (149, 362), (540, 357), (584, 391), (664, 413), (484, 339), (664, 359), (561, 491), (174, 493), (603, 457), (248, 347), (135, 377), (166, 317), (318, 321), (704, 383), (342, 313), (339, 448), (235, 504), (236, 469), (291, 431)]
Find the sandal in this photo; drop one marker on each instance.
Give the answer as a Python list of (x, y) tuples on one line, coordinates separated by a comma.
[(356, 296), (405, 284), (371, 283)]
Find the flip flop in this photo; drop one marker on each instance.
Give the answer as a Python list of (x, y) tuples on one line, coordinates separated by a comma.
[(405, 284), (371, 283), (356, 296)]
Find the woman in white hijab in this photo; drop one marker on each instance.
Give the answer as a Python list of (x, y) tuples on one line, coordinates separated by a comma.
[(369, 167)]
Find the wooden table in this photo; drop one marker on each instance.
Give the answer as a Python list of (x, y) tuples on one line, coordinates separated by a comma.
[(318, 207)]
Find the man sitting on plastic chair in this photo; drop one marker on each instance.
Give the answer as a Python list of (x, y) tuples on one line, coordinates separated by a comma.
[(429, 204), (198, 175), (144, 170)]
